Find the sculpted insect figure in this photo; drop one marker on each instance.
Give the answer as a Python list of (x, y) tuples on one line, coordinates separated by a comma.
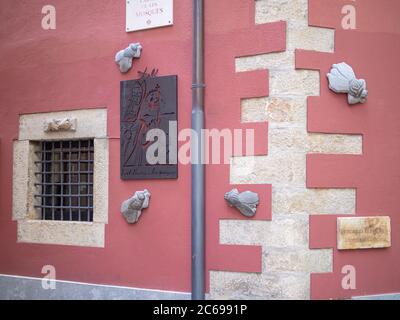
[(132, 208), (124, 58), (342, 79), (246, 202)]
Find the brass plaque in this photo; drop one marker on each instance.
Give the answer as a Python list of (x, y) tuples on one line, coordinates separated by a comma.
[(363, 233)]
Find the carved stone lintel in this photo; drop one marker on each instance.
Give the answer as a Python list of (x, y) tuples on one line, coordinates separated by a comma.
[(246, 202), (124, 58), (55, 125), (342, 79), (132, 208)]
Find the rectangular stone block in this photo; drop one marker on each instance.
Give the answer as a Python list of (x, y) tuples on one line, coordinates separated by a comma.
[(272, 61), (20, 180), (291, 259), (294, 83), (267, 286), (295, 12), (335, 143), (69, 233), (363, 233), (280, 170), (284, 231), (311, 38), (313, 201), (88, 123), (278, 111)]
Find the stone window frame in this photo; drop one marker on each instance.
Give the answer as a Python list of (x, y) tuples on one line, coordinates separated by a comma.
[(89, 124)]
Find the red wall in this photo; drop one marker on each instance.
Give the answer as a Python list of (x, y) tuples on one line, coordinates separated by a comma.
[(373, 49), (232, 36), (73, 67)]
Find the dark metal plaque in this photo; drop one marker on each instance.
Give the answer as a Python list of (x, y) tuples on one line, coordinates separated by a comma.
[(148, 103)]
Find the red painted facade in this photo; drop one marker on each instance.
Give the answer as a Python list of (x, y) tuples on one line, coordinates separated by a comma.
[(73, 67), (373, 50), (225, 89)]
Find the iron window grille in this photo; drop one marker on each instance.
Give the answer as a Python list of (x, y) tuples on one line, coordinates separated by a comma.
[(65, 180)]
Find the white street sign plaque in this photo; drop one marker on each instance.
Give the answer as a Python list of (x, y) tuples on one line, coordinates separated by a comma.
[(148, 14)]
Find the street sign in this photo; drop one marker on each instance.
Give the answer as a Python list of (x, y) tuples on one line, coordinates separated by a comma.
[(148, 14)]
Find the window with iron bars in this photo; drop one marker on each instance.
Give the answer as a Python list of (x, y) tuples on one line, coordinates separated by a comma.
[(65, 180)]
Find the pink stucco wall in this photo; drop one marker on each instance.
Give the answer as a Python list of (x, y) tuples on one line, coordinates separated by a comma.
[(373, 49), (73, 67)]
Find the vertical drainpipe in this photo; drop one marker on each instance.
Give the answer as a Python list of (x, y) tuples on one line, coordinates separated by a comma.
[(198, 218)]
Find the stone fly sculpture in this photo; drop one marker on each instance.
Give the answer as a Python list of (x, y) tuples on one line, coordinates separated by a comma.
[(342, 79), (124, 58), (246, 202), (132, 208)]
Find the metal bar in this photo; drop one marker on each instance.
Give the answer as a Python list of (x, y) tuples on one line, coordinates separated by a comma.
[(59, 161), (52, 180), (59, 195), (198, 218), (70, 181), (62, 179), (72, 150), (61, 172), (58, 207), (43, 146), (79, 181), (49, 183), (89, 215)]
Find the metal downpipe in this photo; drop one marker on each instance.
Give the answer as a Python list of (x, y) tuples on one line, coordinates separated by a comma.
[(198, 179)]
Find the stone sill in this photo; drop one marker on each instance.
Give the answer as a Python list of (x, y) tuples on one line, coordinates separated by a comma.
[(72, 233)]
